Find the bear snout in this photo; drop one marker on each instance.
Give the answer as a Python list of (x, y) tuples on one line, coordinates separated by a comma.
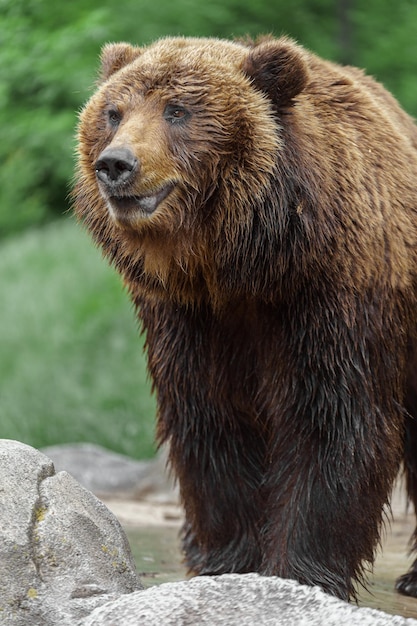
[(116, 166)]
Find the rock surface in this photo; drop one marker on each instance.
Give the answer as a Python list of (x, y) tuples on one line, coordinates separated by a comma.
[(62, 553), (104, 472), (237, 600)]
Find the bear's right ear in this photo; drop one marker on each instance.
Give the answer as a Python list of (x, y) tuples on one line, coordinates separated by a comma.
[(114, 56), (277, 67)]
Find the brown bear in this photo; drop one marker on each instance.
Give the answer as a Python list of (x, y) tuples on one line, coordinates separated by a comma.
[(261, 206)]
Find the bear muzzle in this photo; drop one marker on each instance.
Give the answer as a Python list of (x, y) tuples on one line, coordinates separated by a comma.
[(117, 168)]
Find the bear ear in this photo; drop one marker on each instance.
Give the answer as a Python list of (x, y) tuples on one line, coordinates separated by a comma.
[(277, 67), (114, 56)]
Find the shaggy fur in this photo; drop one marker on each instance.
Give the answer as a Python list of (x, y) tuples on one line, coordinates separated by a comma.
[(260, 204)]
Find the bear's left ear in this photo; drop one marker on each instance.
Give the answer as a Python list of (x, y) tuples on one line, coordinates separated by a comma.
[(114, 56), (277, 67)]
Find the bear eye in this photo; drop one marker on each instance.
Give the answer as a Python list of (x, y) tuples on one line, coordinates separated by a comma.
[(114, 117), (176, 114)]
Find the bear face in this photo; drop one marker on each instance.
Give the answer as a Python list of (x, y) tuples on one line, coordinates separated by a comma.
[(162, 137)]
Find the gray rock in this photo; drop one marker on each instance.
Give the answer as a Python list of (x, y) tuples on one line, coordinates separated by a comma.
[(237, 600), (105, 472), (62, 553)]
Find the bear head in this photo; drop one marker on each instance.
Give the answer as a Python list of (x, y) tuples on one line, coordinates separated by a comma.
[(178, 148)]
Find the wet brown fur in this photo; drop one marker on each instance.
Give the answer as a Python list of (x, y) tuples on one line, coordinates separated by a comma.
[(276, 285)]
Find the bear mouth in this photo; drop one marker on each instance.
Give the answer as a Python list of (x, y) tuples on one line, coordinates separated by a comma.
[(125, 208)]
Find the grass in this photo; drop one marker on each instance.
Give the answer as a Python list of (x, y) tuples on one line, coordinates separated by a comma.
[(72, 367)]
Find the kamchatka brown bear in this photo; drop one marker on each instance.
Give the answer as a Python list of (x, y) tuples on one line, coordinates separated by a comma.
[(261, 206)]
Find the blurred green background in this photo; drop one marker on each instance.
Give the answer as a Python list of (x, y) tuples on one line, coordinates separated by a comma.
[(71, 366)]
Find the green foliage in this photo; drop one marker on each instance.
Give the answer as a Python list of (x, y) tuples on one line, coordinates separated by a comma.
[(385, 43), (49, 54), (71, 366)]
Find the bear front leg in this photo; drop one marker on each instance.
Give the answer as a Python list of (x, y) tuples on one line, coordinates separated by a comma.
[(336, 454), (220, 490), (323, 524), (202, 368)]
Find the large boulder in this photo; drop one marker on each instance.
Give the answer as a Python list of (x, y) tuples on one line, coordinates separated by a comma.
[(237, 600), (62, 553)]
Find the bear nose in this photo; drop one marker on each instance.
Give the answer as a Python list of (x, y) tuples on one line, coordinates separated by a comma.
[(116, 165)]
